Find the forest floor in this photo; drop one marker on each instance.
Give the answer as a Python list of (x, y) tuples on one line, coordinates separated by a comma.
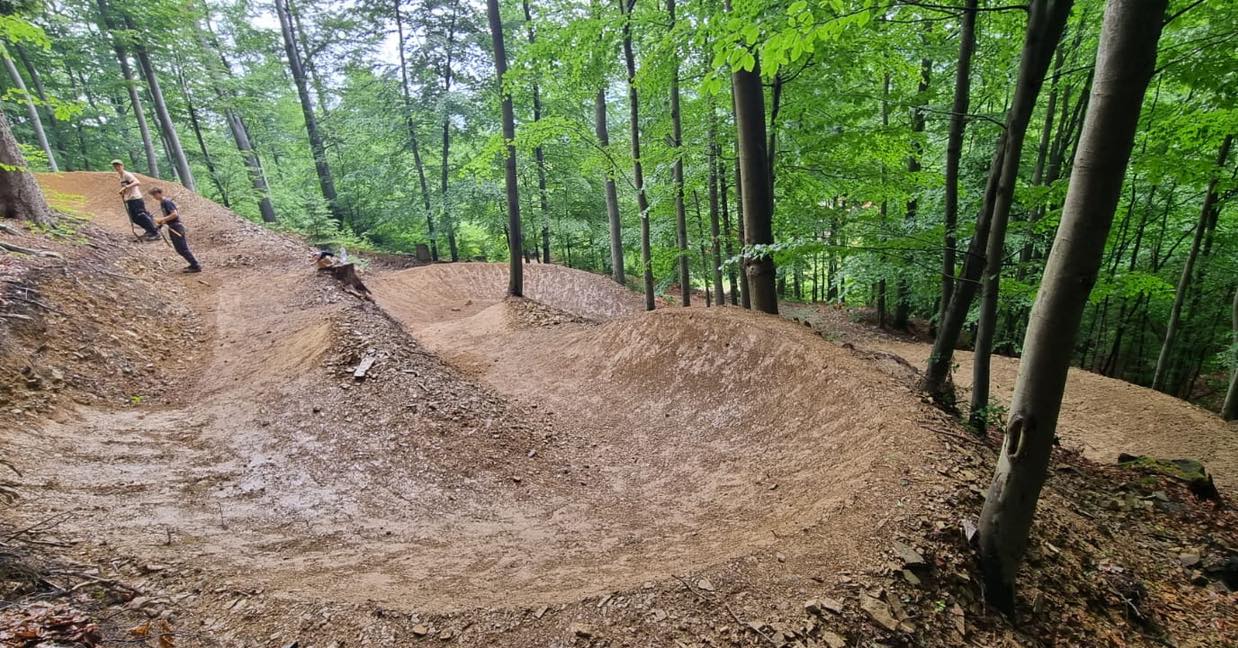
[(199, 465)]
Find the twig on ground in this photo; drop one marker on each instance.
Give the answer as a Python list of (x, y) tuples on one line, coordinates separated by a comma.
[(698, 595), (63, 516), (31, 251), (751, 626)]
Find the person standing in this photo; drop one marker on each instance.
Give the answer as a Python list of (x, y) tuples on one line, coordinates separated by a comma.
[(131, 193), (172, 218)]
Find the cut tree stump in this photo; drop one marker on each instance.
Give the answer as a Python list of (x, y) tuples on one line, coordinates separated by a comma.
[(346, 273)]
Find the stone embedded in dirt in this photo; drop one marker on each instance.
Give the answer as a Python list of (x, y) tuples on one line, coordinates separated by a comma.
[(704, 585), (1189, 558), (420, 630), (659, 615), (540, 612), (908, 554), (969, 531), (910, 577), (581, 630), (833, 640), (879, 612), (833, 605)]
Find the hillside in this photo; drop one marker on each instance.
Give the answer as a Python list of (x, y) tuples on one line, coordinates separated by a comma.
[(562, 470)]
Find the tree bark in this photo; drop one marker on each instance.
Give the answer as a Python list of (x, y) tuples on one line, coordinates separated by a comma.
[(902, 304), (612, 196), (446, 220), (1125, 61), (725, 201), (20, 195), (1045, 24), (954, 150), (745, 292), (638, 172), (325, 180), (515, 275), (166, 125), (681, 219), (53, 131), (754, 178), (197, 133), (36, 122), (1229, 410), (411, 123), (715, 229), (1160, 377), (538, 153)]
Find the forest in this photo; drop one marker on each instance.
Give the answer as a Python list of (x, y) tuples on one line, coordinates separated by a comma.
[(1051, 181)]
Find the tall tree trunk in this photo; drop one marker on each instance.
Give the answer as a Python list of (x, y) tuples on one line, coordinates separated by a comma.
[(20, 196), (515, 274), (954, 150), (197, 133), (681, 219), (57, 138), (1229, 410), (307, 61), (107, 26), (1159, 378), (36, 122), (745, 290), (411, 123), (902, 306), (1125, 61), (612, 196), (638, 172), (538, 154), (884, 209), (715, 229), (166, 125), (725, 201), (1046, 21), (1044, 29), (446, 219), (325, 181), (754, 178)]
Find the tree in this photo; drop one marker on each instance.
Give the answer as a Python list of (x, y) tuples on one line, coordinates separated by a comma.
[(1206, 213), (1229, 410), (612, 197), (755, 184), (35, 120), (107, 25), (638, 172), (1126, 57), (171, 139), (538, 154), (1046, 19), (954, 150), (681, 219), (325, 180), (411, 123), (515, 283), (20, 195)]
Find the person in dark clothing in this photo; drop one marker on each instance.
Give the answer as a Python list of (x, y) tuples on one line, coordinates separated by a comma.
[(132, 195), (172, 218)]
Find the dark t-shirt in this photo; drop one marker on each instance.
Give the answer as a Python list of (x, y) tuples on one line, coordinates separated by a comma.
[(167, 206)]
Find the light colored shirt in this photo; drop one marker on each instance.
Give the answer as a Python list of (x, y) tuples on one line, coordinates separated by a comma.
[(134, 191)]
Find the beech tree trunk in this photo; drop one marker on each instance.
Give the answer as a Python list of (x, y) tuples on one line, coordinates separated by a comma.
[(52, 134), (1160, 377), (715, 229), (411, 123), (1125, 61), (20, 196), (1229, 410), (1046, 21), (446, 219), (638, 172), (954, 151), (538, 154), (36, 122), (166, 126), (325, 180), (106, 25), (515, 275), (681, 219), (196, 125), (745, 292), (902, 304), (725, 201), (754, 179), (612, 196)]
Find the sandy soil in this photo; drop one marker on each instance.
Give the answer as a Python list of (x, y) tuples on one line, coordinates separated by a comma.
[(1101, 416)]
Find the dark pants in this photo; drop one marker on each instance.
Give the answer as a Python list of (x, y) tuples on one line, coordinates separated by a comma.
[(139, 216), (177, 233)]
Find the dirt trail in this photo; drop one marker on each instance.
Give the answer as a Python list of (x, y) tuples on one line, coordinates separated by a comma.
[(592, 458)]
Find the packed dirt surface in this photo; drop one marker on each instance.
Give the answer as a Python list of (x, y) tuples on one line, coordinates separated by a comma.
[(1101, 416), (252, 456)]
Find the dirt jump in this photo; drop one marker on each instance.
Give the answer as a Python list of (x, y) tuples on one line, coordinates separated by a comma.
[(564, 469)]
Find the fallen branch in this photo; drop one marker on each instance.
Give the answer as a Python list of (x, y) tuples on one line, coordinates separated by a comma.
[(31, 251), (63, 516), (9, 230)]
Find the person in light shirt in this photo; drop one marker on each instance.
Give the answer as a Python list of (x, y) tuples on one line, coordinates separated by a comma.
[(131, 193)]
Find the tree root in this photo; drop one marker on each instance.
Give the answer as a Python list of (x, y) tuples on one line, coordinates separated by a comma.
[(32, 252)]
